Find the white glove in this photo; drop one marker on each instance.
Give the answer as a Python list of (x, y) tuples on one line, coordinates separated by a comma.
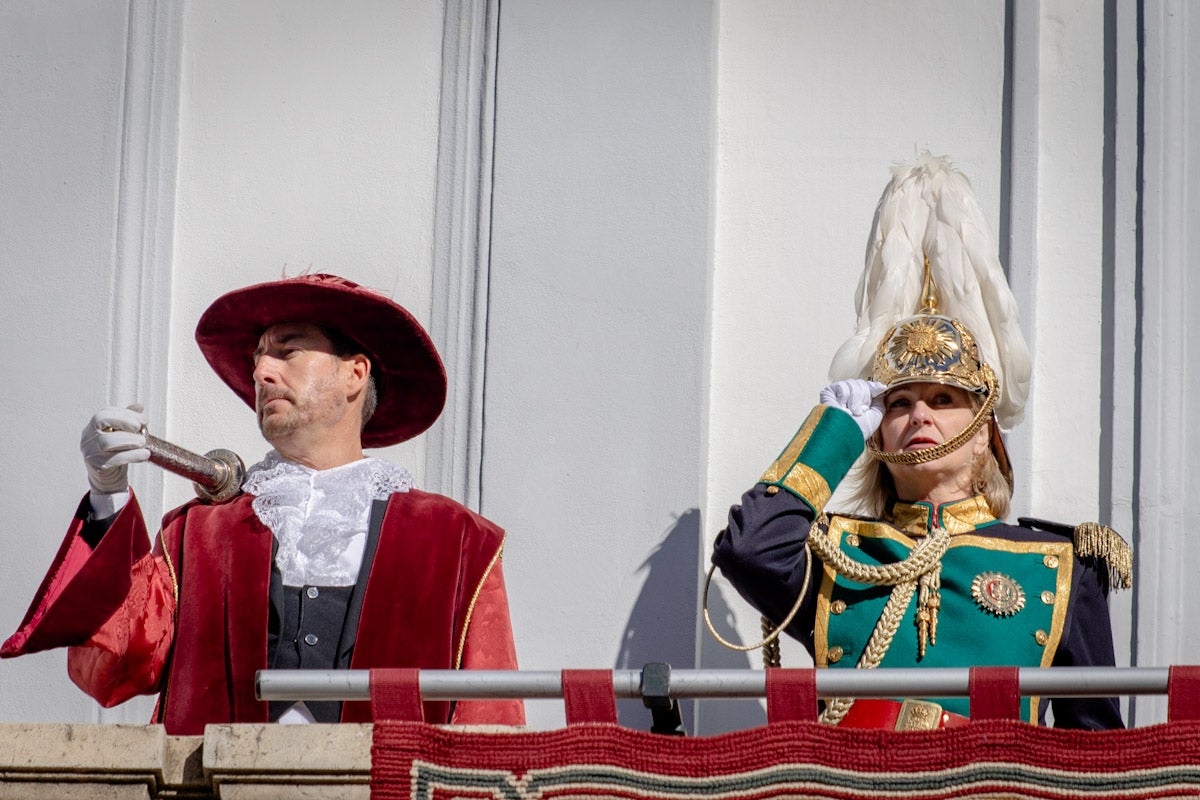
[(113, 439), (862, 400)]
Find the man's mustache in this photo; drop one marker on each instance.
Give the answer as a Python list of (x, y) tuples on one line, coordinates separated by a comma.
[(267, 395)]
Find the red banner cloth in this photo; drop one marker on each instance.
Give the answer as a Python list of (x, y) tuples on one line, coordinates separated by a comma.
[(396, 695), (992, 758), (791, 695), (995, 693), (797, 760), (1183, 694), (588, 695)]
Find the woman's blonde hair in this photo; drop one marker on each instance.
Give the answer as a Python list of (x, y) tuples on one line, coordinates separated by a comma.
[(874, 491)]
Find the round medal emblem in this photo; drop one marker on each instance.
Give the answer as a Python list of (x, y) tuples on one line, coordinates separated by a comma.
[(998, 594)]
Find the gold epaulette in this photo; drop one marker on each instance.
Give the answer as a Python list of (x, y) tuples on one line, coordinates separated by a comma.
[(1093, 540)]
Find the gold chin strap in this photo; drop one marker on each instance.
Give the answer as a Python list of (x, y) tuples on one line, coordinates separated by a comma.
[(924, 456)]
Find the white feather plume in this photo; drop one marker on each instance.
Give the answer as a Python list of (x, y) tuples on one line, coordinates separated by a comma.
[(929, 210)]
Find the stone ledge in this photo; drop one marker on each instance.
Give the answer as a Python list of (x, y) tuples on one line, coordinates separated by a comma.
[(232, 762), (249, 762)]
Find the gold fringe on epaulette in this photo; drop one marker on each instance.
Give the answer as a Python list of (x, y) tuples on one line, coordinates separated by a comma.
[(1099, 541)]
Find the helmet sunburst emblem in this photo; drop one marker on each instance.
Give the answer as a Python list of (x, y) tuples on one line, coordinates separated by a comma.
[(923, 343)]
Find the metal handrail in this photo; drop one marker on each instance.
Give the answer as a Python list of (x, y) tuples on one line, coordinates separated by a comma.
[(446, 684)]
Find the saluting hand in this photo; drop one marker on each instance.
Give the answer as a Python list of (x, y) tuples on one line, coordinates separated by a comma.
[(862, 400)]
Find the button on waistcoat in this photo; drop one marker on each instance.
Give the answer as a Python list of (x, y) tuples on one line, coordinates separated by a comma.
[(310, 632)]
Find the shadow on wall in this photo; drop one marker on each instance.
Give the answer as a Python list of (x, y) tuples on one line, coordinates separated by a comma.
[(663, 627), (662, 624), (719, 716)]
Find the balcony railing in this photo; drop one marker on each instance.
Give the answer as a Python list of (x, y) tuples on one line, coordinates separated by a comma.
[(239, 761), (714, 683)]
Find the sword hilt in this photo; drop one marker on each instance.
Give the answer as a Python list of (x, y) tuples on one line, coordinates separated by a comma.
[(217, 475)]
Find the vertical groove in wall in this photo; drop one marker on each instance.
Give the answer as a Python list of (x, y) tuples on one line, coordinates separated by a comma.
[(1136, 378), (141, 269), (1004, 232), (487, 145), (705, 477), (462, 238), (1108, 245), (1117, 467), (146, 217), (1139, 261), (1167, 379), (120, 363), (1019, 202)]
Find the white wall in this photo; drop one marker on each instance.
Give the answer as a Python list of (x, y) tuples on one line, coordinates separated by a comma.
[(1168, 378), (63, 69), (1067, 266), (596, 328), (92, 167)]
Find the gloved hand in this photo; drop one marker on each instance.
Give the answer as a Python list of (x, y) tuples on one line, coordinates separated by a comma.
[(113, 439), (861, 399)]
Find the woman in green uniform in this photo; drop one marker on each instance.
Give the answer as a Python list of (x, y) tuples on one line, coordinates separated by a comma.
[(930, 575)]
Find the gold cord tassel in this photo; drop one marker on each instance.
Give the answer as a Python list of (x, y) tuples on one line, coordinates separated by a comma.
[(770, 653), (929, 600)]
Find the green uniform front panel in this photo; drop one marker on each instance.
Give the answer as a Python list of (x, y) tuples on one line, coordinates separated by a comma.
[(967, 634)]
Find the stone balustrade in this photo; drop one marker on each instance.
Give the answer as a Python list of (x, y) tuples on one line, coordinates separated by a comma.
[(231, 762)]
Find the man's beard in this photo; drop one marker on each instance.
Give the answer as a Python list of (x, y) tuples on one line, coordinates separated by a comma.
[(279, 424), (276, 422), (299, 411)]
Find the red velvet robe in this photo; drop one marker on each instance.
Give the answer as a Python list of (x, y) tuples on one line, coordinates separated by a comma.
[(435, 599)]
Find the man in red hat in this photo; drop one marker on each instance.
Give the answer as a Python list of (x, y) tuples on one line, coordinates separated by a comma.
[(327, 559)]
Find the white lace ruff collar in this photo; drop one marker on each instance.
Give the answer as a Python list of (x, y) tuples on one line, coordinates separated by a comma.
[(320, 517)]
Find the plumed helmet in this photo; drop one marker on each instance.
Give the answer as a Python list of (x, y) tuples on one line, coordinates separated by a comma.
[(933, 302), (929, 347)]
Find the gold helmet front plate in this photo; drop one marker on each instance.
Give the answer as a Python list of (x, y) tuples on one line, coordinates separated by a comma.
[(930, 348)]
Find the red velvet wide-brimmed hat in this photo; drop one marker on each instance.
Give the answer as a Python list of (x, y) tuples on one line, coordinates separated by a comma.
[(408, 372)]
